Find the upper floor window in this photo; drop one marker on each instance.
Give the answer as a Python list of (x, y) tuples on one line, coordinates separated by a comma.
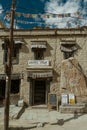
[(68, 49), (38, 55), (38, 47), (15, 53)]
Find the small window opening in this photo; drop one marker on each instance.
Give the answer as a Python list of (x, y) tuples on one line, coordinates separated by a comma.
[(15, 86), (38, 54), (68, 50)]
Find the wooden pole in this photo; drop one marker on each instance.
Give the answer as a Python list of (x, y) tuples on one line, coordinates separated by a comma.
[(8, 68)]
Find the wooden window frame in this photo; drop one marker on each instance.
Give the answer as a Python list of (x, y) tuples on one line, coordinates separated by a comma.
[(68, 50), (15, 56), (38, 54)]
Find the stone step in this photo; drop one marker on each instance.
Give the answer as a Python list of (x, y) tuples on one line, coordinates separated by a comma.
[(39, 107), (75, 105), (72, 108)]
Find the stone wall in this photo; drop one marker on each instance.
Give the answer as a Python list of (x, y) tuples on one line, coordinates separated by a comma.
[(52, 53), (73, 79)]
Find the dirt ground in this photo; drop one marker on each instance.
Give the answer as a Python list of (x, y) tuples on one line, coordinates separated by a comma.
[(80, 122)]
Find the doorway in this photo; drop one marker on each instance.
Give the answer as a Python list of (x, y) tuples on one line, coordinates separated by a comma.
[(15, 88), (39, 93), (2, 89)]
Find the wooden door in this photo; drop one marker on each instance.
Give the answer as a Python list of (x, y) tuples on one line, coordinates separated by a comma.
[(40, 92)]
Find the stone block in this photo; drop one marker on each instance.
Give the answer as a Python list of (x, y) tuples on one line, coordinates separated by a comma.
[(72, 108), (21, 103)]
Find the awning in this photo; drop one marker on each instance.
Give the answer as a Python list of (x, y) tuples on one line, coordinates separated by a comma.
[(68, 49), (38, 44), (35, 75), (68, 46), (68, 42), (18, 43), (13, 76)]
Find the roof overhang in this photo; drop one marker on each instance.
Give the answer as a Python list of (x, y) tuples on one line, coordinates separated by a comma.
[(39, 72), (68, 46), (13, 76), (39, 45), (17, 43)]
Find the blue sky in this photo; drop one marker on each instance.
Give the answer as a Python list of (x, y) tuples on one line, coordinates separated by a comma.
[(46, 7)]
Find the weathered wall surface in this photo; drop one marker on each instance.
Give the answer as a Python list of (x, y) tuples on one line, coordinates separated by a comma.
[(52, 53), (73, 79), (1, 58)]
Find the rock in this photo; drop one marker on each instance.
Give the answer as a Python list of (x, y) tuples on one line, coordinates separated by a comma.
[(60, 122), (20, 103), (57, 122), (40, 125)]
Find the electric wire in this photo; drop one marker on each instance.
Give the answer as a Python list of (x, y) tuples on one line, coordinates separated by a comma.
[(29, 9)]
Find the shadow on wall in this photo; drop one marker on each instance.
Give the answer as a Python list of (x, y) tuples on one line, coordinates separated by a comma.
[(80, 69), (79, 48), (56, 75), (85, 80), (48, 51), (24, 48), (85, 77)]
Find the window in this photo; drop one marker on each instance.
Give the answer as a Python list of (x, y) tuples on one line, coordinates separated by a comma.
[(68, 49), (38, 47), (15, 56), (15, 53), (15, 86), (38, 55)]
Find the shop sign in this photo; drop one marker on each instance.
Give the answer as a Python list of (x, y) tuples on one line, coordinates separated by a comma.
[(64, 99), (71, 98), (38, 62)]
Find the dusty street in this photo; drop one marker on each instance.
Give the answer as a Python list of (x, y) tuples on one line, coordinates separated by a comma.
[(44, 120)]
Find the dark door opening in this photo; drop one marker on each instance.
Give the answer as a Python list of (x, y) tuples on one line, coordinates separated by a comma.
[(2, 89), (15, 86), (39, 92)]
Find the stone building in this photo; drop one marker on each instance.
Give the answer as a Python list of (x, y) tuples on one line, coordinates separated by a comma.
[(45, 61)]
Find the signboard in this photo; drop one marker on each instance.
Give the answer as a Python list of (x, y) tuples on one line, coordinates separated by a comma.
[(38, 62), (71, 98), (38, 45), (64, 99), (52, 99)]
